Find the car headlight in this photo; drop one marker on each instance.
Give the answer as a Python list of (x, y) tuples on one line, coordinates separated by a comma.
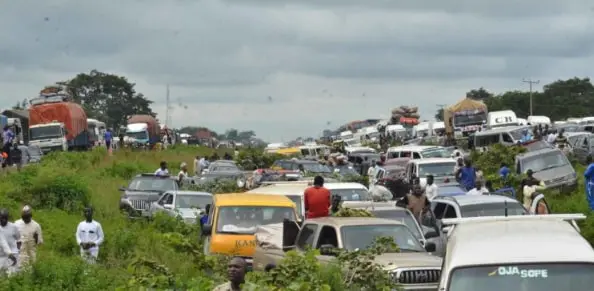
[(240, 182)]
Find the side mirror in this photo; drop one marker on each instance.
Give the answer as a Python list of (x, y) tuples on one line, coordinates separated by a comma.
[(431, 234), (206, 229), (430, 247), (168, 206), (123, 188), (327, 250)]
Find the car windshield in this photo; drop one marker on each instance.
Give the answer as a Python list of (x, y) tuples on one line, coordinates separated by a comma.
[(542, 162), (436, 153), (352, 194), (225, 168), (245, 219), (192, 201), (137, 135), (524, 277), (518, 133), (44, 132), (362, 236), (316, 168), (345, 170), (297, 199), (152, 184), (492, 209), (402, 216), (437, 169)]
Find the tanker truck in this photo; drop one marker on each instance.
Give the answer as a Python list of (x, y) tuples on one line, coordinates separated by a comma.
[(142, 131), (55, 124)]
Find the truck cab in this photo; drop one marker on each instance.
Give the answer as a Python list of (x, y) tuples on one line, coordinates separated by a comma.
[(49, 136), (137, 133)]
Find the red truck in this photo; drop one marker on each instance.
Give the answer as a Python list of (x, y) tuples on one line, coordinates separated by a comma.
[(57, 124)]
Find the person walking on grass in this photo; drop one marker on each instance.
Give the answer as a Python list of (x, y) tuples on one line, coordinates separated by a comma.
[(236, 270), (589, 175), (89, 236), (31, 237), (12, 236)]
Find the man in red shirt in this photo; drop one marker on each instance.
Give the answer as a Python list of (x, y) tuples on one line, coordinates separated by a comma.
[(317, 199)]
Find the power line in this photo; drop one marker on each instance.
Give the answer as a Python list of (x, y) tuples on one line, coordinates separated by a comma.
[(530, 83)]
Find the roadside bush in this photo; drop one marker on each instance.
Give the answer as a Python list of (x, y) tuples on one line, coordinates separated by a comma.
[(255, 158)]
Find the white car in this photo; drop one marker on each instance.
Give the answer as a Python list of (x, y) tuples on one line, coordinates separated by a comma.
[(348, 192), (187, 204)]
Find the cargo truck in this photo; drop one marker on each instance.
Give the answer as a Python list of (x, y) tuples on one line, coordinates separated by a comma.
[(55, 124), (465, 117), (142, 130)]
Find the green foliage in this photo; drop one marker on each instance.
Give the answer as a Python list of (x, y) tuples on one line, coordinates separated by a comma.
[(255, 158), (491, 160), (352, 212), (216, 187)]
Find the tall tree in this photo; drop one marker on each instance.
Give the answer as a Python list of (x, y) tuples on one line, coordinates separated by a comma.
[(109, 98), (479, 94), (439, 114)]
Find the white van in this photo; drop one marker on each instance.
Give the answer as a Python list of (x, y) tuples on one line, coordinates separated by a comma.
[(421, 129), (501, 118), (538, 119), (417, 152), (519, 255), (510, 135)]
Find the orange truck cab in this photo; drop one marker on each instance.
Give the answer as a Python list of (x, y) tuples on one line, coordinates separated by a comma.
[(234, 218)]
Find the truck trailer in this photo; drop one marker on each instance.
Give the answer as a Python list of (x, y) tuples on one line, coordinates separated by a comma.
[(55, 124), (143, 130)]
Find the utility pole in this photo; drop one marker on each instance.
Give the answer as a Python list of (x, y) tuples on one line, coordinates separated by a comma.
[(167, 117), (530, 83)]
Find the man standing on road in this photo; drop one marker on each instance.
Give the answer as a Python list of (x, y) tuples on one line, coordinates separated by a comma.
[(30, 237), (7, 137), (89, 236), (317, 199), (466, 175), (12, 236), (108, 137), (589, 175), (236, 271), (431, 190), (416, 202)]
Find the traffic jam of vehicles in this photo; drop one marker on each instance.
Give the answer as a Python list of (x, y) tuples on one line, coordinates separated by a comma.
[(453, 230)]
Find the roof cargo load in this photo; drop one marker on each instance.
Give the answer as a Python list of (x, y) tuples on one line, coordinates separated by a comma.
[(405, 115), (52, 106)]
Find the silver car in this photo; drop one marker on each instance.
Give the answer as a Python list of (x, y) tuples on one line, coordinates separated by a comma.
[(187, 204), (550, 166)]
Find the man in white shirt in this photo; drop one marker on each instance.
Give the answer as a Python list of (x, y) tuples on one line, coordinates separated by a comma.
[(551, 138), (197, 168), (30, 237), (7, 258), (203, 164), (12, 236), (478, 189), (431, 188), (162, 170), (89, 236), (372, 170)]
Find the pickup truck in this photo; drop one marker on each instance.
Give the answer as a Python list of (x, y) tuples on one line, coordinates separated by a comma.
[(413, 268)]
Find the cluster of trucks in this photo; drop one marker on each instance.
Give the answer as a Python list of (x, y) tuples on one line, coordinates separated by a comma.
[(54, 123)]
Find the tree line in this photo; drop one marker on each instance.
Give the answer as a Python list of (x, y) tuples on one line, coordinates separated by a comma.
[(112, 99), (558, 100)]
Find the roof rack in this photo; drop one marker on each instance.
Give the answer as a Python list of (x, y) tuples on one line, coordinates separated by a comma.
[(567, 217), (301, 182)]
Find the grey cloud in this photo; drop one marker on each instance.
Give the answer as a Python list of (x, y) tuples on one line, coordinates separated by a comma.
[(503, 8)]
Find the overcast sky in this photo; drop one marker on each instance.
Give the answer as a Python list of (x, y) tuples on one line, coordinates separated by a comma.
[(292, 68)]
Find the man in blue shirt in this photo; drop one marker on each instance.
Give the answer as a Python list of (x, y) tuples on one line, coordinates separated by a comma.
[(589, 175), (526, 136), (7, 138), (108, 137), (503, 171), (467, 175)]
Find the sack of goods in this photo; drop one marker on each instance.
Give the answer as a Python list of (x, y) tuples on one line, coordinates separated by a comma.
[(404, 111)]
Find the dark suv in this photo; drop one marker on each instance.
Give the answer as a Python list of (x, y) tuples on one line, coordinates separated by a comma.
[(142, 191)]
